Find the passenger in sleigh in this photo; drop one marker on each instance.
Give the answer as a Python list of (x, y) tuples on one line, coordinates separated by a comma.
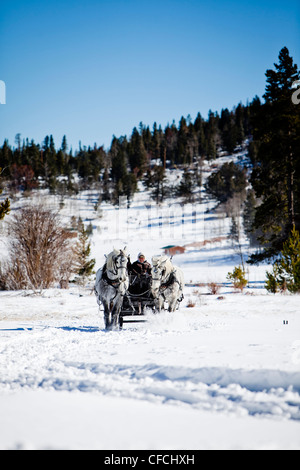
[(140, 266), (140, 274)]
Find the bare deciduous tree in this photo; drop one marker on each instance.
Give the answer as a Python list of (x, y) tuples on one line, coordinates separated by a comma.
[(40, 251)]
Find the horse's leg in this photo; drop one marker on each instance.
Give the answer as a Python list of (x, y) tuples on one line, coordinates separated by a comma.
[(172, 305), (159, 303), (116, 312), (173, 300), (107, 315)]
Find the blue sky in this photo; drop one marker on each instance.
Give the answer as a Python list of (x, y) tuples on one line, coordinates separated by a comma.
[(93, 69)]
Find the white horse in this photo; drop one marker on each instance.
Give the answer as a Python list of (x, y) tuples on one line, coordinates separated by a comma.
[(111, 285), (167, 283)]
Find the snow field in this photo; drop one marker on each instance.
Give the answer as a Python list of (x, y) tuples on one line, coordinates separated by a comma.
[(222, 374), (201, 365)]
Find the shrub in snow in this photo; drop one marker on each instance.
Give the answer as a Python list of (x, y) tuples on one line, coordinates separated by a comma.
[(237, 277), (40, 251), (213, 288), (272, 284), (286, 270)]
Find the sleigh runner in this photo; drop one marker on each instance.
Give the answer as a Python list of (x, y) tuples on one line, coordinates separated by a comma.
[(137, 299)]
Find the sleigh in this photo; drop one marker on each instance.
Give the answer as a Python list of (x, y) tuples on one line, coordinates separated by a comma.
[(137, 299), (131, 295)]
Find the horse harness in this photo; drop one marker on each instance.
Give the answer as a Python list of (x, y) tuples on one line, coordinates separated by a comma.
[(111, 282), (170, 281)]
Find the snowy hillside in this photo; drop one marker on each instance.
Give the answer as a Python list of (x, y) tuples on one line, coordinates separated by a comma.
[(223, 372)]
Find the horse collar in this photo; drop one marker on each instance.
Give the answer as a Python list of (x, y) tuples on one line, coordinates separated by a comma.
[(169, 282), (109, 281)]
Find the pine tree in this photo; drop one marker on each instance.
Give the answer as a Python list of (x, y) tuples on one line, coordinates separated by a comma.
[(239, 124), (171, 139), (6, 155), (272, 283), (182, 152), (250, 205), (64, 145), (83, 265), (137, 154), (199, 129), (226, 182), (125, 183), (119, 165), (276, 174), (231, 132), (212, 135), (185, 187), (290, 261), (156, 179), (286, 270), (237, 277), (129, 182), (156, 141)]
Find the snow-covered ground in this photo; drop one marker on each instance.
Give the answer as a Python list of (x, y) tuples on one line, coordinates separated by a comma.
[(223, 374)]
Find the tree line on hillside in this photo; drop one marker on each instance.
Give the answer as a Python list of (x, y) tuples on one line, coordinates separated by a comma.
[(268, 191), (29, 165)]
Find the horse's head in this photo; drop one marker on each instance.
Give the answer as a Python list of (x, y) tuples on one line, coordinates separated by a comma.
[(159, 271), (120, 263)]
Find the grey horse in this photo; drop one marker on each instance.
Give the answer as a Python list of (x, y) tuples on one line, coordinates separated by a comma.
[(111, 285), (167, 283)]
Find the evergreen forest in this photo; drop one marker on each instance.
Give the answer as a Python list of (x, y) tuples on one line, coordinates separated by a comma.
[(268, 129)]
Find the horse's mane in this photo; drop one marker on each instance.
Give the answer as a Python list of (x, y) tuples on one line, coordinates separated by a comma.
[(162, 260), (111, 258)]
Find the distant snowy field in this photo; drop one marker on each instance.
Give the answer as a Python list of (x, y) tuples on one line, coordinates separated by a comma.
[(224, 374)]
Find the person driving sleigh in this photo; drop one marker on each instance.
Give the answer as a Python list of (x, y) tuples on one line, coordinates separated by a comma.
[(140, 266)]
